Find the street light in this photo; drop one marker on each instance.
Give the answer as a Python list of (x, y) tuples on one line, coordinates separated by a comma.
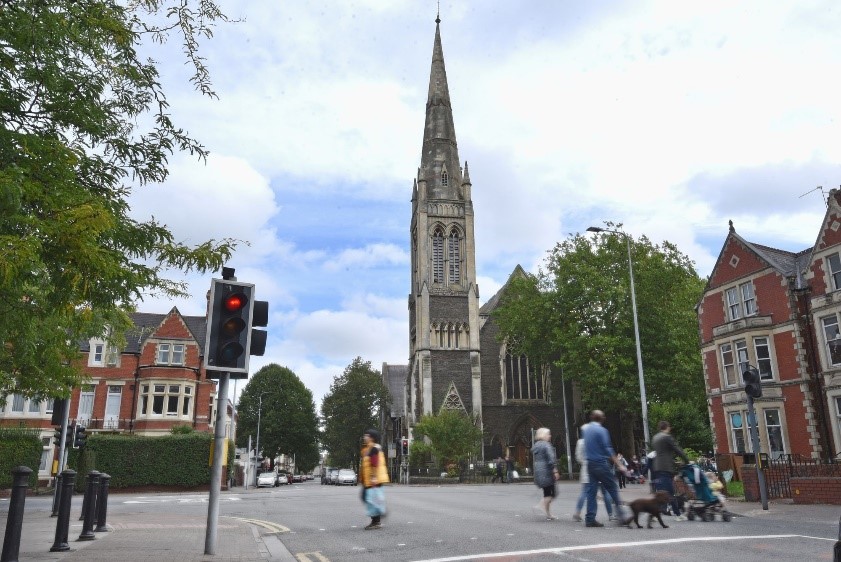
[(259, 414), (636, 331)]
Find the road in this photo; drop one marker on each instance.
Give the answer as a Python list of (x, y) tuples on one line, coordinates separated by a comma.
[(492, 522)]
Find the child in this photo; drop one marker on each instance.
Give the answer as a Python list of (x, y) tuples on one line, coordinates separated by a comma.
[(716, 486)]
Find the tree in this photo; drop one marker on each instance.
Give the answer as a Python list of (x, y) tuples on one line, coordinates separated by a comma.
[(352, 405), (453, 436), (577, 314), (288, 421), (83, 122)]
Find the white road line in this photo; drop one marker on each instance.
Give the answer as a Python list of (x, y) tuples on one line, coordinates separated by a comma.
[(597, 546)]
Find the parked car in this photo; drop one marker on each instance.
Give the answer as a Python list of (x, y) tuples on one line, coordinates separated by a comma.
[(267, 479), (282, 479), (297, 478), (346, 476), (332, 475)]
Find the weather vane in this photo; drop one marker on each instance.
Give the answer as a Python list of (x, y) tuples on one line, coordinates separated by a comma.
[(438, 13)]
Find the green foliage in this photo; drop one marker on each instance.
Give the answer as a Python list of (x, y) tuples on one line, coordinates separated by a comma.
[(182, 429), (420, 454), (19, 447), (83, 122), (133, 460), (689, 421), (352, 405), (288, 422), (453, 436), (578, 315)]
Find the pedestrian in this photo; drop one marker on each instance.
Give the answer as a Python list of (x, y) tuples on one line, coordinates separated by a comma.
[(545, 469), (663, 465), (600, 459), (373, 475), (509, 467), (499, 467), (585, 481), (621, 474)]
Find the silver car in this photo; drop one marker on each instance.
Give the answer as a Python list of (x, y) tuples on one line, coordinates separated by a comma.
[(346, 476), (267, 479)]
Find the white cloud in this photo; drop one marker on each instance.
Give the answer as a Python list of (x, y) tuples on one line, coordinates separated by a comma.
[(369, 256)]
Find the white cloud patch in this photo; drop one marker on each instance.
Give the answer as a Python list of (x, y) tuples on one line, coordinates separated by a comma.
[(371, 255)]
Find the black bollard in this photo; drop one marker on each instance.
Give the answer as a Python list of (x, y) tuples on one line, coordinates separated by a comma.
[(14, 522), (56, 495), (89, 507), (102, 503), (62, 525)]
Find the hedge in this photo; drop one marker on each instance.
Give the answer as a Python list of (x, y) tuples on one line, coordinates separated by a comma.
[(19, 447), (133, 460)]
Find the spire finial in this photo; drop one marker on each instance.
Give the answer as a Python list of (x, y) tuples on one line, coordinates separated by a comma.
[(732, 228), (438, 14)]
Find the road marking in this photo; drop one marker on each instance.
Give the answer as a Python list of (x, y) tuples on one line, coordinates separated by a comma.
[(305, 557), (563, 549), (179, 499), (273, 527)]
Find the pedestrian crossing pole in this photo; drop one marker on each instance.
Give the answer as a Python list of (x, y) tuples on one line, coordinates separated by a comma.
[(216, 467)]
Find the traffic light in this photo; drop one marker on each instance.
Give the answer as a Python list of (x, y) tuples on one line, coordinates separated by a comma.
[(753, 386), (228, 342), (57, 436), (79, 436), (404, 447), (259, 317)]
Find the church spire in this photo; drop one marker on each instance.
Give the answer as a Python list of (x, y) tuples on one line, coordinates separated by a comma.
[(439, 157)]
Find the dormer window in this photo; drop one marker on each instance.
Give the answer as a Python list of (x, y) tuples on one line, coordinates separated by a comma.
[(445, 179), (170, 354)]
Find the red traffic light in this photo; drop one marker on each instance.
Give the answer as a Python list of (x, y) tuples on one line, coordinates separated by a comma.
[(235, 302)]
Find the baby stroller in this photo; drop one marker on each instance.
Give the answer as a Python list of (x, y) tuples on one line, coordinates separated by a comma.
[(705, 505)]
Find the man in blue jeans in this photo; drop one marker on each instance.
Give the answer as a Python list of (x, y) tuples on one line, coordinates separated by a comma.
[(600, 462), (663, 465)]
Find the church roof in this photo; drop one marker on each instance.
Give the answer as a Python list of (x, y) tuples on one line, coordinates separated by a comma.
[(394, 377), (493, 302)]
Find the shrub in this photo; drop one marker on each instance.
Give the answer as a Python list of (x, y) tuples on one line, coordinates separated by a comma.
[(19, 447)]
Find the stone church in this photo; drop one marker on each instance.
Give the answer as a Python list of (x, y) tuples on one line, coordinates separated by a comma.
[(455, 359)]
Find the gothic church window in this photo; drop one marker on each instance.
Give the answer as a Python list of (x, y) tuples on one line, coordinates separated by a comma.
[(445, 179), (438, 256), (522, 382), (454, 256)]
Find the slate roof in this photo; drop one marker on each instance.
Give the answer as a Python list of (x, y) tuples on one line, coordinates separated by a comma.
[(493, 302), (146, 323)]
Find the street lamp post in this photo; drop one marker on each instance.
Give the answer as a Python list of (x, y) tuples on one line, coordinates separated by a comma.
[(259, 415), (643, 399)]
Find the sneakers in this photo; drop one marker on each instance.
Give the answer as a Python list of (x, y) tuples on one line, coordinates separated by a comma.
[(551, 518), (612, 518), (373, 525), (576, 517), (680, 518), (594, 524)]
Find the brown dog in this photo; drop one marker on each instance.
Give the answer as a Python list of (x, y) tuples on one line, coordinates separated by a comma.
[(652, 506)]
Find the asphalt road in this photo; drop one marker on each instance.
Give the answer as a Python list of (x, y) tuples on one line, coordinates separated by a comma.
[(495, 522)]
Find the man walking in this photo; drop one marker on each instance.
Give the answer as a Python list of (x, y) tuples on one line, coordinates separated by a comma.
[(600, 461), (663, 464)]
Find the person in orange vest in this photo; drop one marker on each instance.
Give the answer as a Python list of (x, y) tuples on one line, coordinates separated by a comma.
[(373, 475)]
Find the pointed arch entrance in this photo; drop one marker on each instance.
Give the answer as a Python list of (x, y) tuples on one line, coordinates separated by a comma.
[(520, 442)]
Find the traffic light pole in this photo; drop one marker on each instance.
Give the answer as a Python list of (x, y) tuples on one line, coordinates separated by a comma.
[(65, 418), (216, 467), (754, 439)]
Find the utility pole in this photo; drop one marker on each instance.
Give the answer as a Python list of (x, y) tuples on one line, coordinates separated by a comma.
[(216, 467)]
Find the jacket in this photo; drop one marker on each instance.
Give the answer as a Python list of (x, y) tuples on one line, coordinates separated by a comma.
[(666, 448), (376, 451), (544, 464)]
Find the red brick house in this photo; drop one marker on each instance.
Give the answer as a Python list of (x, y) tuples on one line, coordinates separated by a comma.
[(155, 383), (780, 312)]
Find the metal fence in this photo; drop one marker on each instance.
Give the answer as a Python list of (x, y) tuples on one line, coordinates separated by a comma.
[(779, 471)]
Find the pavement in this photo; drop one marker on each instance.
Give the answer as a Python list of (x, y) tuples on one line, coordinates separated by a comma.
[(159, 537)]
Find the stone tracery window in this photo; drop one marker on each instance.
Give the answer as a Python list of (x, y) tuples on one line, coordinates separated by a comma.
[(438, 256), (522, 382), (454, 256)]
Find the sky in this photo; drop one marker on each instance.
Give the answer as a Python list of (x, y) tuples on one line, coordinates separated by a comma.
[(671, 118)]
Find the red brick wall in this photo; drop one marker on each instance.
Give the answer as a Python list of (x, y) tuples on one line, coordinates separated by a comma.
[(711, 314), (772, 297), (823, 490), (724, 273)]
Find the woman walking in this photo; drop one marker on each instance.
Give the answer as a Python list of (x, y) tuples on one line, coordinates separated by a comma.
[(545, 469), (373, 476)]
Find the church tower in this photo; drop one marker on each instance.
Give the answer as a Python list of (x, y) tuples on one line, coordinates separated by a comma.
[(444, 357)]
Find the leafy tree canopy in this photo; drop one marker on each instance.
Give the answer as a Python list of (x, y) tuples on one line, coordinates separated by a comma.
[(288, 421), (83, 122), (352, 405), (577, 314), (453, 436)]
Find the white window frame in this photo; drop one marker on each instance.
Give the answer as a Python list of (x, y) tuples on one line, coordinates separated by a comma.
[(833, 268), (741, 301), (779, 427), (18, 404), (734, 448), (176, 400), (169, 353), (831, 331), (742, 355), (764, 365)]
